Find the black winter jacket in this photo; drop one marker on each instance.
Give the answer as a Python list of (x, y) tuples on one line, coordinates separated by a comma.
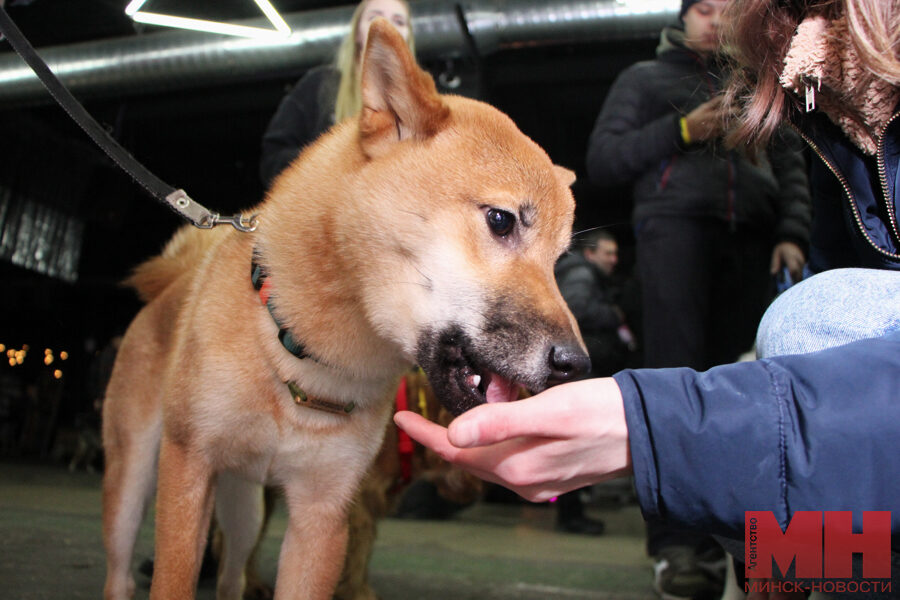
[(637, 140), (588, 293), (303, 115)]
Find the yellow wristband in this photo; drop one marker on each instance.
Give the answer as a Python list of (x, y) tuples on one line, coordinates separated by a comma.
[(685, 133)]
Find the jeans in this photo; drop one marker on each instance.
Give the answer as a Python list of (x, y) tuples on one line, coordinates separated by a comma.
[(829, 309)]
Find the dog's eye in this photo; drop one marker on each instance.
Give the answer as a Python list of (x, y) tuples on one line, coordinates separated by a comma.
[(500, 221)]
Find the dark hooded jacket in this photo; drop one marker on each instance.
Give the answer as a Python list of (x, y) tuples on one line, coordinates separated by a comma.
[(637, 140)]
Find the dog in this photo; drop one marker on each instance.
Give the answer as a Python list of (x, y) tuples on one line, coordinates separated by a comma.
[(422, 232)]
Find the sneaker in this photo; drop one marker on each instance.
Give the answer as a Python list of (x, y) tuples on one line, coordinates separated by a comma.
[(679, 573)]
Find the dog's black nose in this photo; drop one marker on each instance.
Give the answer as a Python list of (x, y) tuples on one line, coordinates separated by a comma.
[(567, 363)]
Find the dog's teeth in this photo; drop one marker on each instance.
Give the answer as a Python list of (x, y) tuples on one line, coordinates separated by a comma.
[(473, 380)]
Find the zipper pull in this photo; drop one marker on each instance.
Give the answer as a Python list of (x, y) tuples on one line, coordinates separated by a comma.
[(811, 94)]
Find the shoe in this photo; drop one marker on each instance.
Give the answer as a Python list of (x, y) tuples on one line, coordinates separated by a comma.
[(679, 573), (582, 525)]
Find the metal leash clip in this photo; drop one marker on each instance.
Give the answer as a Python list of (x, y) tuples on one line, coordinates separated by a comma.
[(203, 218), (236, 221)]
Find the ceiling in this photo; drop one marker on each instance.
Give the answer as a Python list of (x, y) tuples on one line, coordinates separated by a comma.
[(55, 22)]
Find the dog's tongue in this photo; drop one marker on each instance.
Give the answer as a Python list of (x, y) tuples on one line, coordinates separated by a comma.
[(501, 389)]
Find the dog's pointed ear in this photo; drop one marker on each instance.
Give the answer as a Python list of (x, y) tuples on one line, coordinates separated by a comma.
[(564, 175), (399, 99)]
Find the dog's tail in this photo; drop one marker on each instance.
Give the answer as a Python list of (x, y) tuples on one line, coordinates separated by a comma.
[(184, 251)]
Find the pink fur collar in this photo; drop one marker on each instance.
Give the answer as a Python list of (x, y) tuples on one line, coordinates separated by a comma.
[(822, 56)]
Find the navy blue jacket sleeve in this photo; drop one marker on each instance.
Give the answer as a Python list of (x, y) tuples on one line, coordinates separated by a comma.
[(805, 432)]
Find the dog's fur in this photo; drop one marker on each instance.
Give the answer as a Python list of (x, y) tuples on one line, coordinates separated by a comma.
[(388, 242)]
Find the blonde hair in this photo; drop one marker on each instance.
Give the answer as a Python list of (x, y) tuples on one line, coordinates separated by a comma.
[(758, 35), (349, 97)]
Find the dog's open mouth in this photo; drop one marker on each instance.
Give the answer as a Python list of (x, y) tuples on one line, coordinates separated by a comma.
[(460, 377), (490, 387)]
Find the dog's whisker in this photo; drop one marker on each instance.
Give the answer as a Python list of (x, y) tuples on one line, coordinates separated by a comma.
[(427, 286), (416, 214), (575, 234)]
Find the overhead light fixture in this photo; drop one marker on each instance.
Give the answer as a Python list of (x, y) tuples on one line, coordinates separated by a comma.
[(281, 29)]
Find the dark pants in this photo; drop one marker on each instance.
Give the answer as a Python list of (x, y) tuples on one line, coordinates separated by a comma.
[(704, 288)]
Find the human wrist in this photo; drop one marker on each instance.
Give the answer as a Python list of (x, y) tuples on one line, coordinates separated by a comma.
[(684, 131), (610, 429), (618, 433)]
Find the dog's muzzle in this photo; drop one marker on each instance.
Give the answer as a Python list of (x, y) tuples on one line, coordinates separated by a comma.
[(464, 377)]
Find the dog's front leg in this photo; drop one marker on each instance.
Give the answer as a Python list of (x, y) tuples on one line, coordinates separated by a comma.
[(184, 501), (312, 553)]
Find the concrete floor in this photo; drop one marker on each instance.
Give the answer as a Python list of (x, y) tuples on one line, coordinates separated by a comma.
[(50, 548)]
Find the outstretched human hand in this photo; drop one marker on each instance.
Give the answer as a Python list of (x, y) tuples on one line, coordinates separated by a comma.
[(562, 439)]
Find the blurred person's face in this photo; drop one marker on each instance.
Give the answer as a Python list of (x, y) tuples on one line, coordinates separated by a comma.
[(701, 26), (605, 255), (392, 10)]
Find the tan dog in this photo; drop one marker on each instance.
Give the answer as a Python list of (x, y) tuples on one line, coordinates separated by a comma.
[(424, 231)]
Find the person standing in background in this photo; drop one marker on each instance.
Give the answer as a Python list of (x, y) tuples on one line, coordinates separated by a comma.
[(584, 277), (712, 227)]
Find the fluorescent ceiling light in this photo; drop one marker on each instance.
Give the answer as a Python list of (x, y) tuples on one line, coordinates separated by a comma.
[(281, 29)]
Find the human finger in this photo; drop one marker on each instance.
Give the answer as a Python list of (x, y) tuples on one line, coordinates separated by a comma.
[(424, 431), (559, 412), (776, 263), (794, 260), (481, 462)]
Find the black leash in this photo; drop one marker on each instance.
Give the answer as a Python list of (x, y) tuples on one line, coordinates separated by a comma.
[(176, 199)]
